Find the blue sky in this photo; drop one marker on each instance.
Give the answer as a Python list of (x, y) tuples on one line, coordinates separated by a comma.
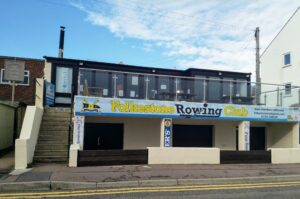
[(162, 33)]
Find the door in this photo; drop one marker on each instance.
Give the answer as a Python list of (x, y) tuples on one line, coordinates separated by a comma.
[(63, 85), (101, 136), (257, 138), (192, 136)]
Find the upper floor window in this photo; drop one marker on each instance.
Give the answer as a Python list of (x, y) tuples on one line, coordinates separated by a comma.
[(24, 83), (287, 59)]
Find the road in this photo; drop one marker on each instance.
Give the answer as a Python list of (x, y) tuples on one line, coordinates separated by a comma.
[(286, 190)]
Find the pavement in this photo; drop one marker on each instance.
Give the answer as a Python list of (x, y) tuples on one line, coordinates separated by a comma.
[(7, 162), (44, 177)]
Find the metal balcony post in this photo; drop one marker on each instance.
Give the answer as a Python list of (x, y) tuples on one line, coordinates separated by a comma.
[(147, 84), (230, 92), (204, 90), (115, 85)]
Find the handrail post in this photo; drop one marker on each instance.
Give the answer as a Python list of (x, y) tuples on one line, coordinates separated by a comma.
[(230, 92), (204, 90)]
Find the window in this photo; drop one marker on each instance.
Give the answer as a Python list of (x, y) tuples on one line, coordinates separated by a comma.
[(132, 90), (214, 89), (24, 83), (287, 59), (288, 89), (241, 88)]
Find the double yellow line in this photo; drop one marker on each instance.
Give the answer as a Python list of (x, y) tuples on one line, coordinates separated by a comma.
[(148, 190)]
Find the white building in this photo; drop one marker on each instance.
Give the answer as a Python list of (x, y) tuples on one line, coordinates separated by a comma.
[(280, 64)]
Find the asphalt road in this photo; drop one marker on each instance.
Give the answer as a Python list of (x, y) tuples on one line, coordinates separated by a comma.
[(272, 190), (292, 192)]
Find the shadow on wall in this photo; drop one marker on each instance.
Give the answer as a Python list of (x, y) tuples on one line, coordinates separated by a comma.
[(11, 118)]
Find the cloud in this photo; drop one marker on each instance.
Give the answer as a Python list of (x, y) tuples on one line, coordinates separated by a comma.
[(213, 34)]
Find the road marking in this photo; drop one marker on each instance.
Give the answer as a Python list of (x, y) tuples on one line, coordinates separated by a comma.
[(148, 190)]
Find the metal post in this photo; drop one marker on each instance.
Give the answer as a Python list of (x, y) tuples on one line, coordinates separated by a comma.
[(204, 91), (115, 85), (265, 99), (13, 92), (278, 96), (176, 87), (147, 82), (255, 96), (230, 92)]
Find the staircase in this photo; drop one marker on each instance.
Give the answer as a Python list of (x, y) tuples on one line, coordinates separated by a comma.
[(52, 145)]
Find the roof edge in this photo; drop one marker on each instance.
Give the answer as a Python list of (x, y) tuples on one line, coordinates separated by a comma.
[(286, 23)]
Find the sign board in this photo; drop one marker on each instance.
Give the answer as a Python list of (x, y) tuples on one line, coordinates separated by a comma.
[(99, 106), (49, 93), (167, 132), (78, 130), (14, 70), (247, 135)]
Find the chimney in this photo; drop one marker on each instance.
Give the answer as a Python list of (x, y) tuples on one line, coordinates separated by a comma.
[(61, 42)]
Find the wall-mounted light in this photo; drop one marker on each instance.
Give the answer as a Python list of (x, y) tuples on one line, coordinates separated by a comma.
[(153, 71), (80, 63), (220, 74)]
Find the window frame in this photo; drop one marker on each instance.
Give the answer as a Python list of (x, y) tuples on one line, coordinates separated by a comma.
[(10, 82), (290, 63)]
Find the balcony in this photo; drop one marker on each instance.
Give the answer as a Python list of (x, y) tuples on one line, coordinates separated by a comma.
[(114, 84)]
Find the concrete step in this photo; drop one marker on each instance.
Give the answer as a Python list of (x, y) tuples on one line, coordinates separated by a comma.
[(53, 118), (53, 123), (52, 147), (50, 159), (55, 127), (53, 136), (54, 114), (61, 141), (57, 109), (47, 153)]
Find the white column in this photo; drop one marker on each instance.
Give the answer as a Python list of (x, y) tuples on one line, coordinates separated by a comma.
[(295, 136)]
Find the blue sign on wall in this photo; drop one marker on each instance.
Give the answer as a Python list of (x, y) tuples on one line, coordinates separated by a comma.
[(167, 132), (49, 93)]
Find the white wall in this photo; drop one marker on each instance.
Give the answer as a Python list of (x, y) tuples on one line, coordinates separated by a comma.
[(272, 61), (25, 145)]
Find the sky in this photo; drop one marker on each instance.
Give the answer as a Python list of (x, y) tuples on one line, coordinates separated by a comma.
[(177, 34)]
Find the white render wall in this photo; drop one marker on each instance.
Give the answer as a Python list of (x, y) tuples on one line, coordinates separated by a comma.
[(272, 61)]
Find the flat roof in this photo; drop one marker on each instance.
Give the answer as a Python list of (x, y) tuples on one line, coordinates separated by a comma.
[(89, 62)]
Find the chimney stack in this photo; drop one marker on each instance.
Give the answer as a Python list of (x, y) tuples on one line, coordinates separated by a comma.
[(61, 42)]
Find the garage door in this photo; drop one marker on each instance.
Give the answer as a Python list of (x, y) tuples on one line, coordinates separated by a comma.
[(100, 136), (192, 136)]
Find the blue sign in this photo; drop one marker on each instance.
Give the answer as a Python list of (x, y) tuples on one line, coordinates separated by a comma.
[(49, 93), (167, 132)]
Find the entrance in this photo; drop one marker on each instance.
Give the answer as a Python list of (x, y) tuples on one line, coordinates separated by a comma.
[(257, 138), (192, 136), (103, 136)]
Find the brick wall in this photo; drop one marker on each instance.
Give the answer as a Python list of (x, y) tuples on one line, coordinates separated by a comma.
[(23, 93)]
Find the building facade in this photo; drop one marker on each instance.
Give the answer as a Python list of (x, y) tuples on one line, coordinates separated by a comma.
[(163, 116), (281, 60)]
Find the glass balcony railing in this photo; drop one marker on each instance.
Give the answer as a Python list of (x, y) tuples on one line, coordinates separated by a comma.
[(115, 84)]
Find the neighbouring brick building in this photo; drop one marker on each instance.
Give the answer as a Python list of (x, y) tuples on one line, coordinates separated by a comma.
[(25, 91)]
